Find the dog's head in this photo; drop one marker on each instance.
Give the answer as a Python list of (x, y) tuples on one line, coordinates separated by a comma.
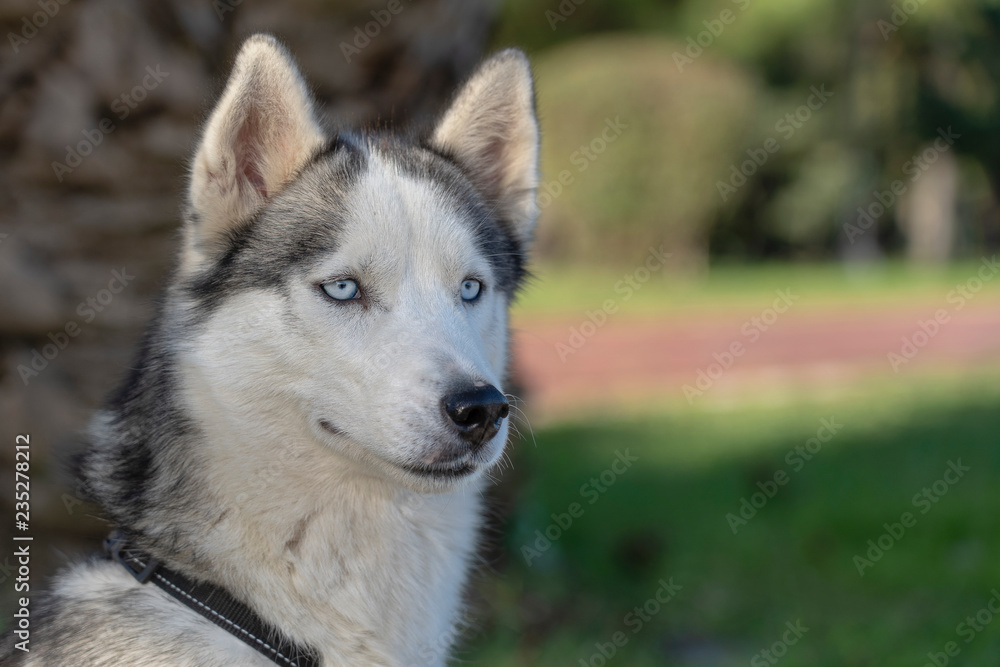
[(353, 289)]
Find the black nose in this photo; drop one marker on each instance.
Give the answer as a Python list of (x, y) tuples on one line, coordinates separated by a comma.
[(477, 412)]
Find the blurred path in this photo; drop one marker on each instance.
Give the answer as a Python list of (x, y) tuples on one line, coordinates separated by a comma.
[(809, 348)]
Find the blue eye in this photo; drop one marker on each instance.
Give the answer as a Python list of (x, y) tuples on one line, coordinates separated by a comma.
[(471, 289), (342, 290)]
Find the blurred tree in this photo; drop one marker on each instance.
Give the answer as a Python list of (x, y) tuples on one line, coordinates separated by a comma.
[(633, 148)]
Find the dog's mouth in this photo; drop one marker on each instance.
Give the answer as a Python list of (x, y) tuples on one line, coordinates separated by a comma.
[(444, 471)]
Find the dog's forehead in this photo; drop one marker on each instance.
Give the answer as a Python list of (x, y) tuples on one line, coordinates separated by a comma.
[(393, 212), (380, 196)]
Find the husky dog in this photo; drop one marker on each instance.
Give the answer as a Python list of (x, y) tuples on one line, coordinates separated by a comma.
[(315, 407)]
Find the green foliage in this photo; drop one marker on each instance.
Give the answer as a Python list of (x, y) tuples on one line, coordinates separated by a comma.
[(530, 25), (638, 144), (801, 211)]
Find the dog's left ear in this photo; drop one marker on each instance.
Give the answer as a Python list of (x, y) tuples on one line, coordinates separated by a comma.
[(491, 131)]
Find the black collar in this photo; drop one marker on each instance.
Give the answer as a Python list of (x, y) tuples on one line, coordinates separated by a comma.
[(212, 602)]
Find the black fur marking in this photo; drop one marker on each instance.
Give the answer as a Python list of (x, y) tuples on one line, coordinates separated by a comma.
[(143, 462), (495, 236), (302, 221)]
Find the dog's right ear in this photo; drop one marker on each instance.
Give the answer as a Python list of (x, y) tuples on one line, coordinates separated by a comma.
[(492, 132), (261, 133)]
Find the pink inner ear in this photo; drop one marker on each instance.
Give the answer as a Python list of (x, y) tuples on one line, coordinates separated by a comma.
[(249, 154)]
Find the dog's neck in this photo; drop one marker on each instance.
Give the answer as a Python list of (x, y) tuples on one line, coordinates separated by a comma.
[(316, 540)]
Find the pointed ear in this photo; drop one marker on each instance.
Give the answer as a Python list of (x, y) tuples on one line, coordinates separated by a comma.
[(262, 131), (491, 131)]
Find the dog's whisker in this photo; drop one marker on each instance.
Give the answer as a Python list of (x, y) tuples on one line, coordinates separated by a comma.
[(522, 416)]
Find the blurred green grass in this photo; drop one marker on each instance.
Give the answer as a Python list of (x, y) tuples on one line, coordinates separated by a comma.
[(559, 289), (665, 517)]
